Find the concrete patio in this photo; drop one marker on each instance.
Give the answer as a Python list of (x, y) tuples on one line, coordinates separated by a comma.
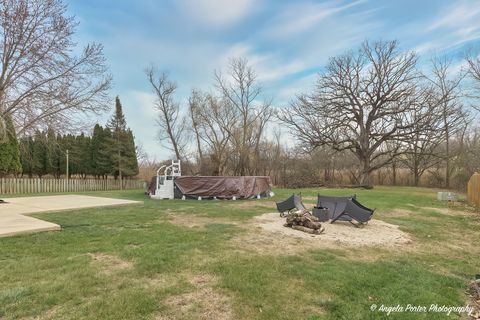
[(14, 213)]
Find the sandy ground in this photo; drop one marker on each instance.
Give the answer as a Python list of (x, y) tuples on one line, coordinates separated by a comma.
[(375, 233), (12, 213)]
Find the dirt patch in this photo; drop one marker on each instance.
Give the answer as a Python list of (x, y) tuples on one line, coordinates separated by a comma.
[(110, 264), (161, 281), (133, 246), (196, 221), (251, 204), (449, 212), (399, 213), (268, 235), (203, 302), (48, 315)]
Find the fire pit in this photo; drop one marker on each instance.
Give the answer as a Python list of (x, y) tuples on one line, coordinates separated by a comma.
[(321, 213)]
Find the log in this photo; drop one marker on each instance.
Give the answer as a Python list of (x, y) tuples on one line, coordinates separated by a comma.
[(304, 221)]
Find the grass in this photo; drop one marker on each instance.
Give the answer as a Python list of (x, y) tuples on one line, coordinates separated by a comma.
[(132, 262)]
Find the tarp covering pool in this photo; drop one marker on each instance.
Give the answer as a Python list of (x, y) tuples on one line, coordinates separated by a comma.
[(221, 187)]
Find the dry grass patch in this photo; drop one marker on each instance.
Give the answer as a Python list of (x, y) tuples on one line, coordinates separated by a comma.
[(196, 221), (203, 302), (110, 263), (251, 203), (399, 213), (47, 315), (451, 212)]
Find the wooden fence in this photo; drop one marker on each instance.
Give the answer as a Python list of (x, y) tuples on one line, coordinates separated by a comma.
[(37, 185), (473, 190)]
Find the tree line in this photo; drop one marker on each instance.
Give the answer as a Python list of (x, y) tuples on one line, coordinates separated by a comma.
[(107, 151), (373, 110)]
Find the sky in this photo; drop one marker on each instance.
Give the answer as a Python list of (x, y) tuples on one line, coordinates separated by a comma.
[(287, 42)]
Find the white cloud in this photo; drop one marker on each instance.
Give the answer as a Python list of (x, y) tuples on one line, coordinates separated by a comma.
[(458, 15), (300, 17), (217, 13), (455, 25)]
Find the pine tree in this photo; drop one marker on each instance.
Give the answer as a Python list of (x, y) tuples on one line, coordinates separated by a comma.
[(83, 147), (9, 150), (131, 162), (26, 155), (105, 163), (118, 127), (40, 157), (117, 123), (53, 153), (74, 162), (95, 149)]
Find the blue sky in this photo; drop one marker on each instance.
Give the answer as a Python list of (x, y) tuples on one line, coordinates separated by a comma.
[(287, 42)]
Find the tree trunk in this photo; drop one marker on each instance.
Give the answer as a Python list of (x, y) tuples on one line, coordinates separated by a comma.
[(365, 178), (416, 178), (447, 149), (447, 160), (394, 173)]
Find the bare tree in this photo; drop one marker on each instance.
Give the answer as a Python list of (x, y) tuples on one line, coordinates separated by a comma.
[(473, 62), (360, 103), (448, 91), (241, 90), (422, 148), (172, 126), (195, 104), (215, 120), (41, 82)]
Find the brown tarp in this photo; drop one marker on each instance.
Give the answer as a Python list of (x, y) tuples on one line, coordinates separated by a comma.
[(220, 187), (223, 187)]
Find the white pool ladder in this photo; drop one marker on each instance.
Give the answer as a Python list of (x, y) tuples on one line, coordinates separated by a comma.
[(165, 180)]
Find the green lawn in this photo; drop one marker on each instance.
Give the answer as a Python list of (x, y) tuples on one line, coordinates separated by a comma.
[(147, 261)]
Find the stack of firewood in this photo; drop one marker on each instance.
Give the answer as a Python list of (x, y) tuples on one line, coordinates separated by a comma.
[(304, 221)]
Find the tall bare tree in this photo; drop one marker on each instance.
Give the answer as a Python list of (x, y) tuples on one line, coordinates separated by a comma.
[(473, 62), (448, 92), (215, 120), (241, 90), (41, 81), (172, 126), (195, 104), (360, 103), (422, 148)]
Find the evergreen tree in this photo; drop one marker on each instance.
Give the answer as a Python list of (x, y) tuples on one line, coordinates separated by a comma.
[(118, 128), (70, 144), (26, 155), (82, 147), (117, 123), (105, 163), (9, 150), (53, 154), (40, 157), (94, 152), (131, 162)]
